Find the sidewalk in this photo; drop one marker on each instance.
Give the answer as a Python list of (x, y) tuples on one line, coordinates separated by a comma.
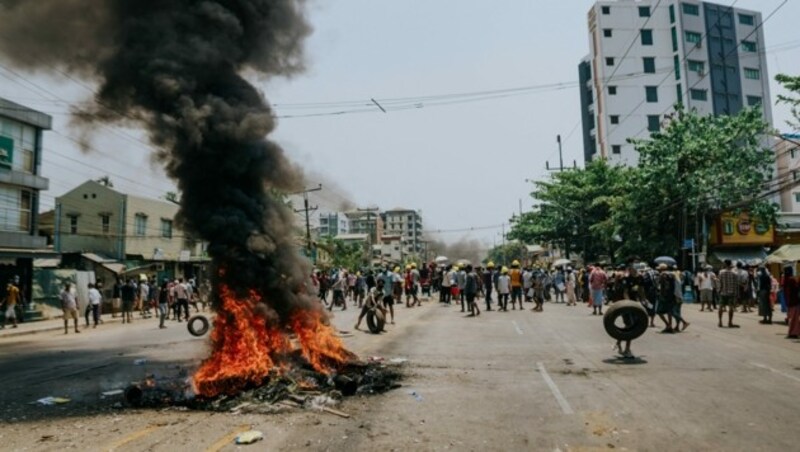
[(42, 326)]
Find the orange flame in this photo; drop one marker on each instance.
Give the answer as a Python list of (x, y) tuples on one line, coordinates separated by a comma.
[(318, 342), (245, 348)]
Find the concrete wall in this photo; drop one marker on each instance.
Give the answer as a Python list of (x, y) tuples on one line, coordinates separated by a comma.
[(152, 239), (88, 202)]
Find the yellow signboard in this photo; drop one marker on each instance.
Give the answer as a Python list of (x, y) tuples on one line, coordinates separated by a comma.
[(731, 229)]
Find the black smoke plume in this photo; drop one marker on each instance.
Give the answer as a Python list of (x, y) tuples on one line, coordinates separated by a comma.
[(174, 67)]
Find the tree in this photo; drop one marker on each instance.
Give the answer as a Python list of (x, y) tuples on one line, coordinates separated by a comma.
[(791, 84), (571, 206), (505, 254), (344, 255)]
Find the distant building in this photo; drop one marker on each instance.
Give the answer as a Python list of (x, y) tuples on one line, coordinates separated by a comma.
[(389, 250), (787, 151), (21, 185), (647, 55), (406, 223), (366, 222), (332, 224), (95, 219)]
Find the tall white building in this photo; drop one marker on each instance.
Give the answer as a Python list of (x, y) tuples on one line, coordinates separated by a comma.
[(646, 56), (407, 223)]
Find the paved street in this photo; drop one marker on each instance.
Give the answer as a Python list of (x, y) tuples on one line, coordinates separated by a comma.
[(502, 381)]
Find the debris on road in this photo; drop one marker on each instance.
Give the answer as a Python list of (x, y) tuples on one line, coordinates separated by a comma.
[(50, 400), (113, 392), (336, 412), (139, 362), (416, 395), (249, 437)]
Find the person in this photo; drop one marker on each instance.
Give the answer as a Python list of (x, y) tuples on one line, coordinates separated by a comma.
[(538, 288), (410, 288), (415, 280), (128, 295), (728, 291), (163, 303), (764, 284), (679, 287), (666, 297), (351, 287), (743, 294), (705, 284), (397, 286), (527, 284), (455, 291), (461, 282), (182, 295), (570, 283), (373, 301), (361, 288), (10, 304), (488, 282), (559, 283), (790, 294), (94, 303), (515, 275), (116, 298), (339, 287), (471, 291), (444, 292), (503, 289), (324, 283), (597, 283), (69, 306), (387, 278), (144, 297)]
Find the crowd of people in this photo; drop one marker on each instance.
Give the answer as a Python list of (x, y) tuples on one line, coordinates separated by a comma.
[(145, 296)]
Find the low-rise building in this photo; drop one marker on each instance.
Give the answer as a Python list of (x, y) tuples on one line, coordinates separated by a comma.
[(408, 224), (787, 153)]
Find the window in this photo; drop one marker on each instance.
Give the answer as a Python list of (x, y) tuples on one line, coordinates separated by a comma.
[(674, 40), (677, 64), (612, 90), (698, 94), (607, 32), (679, 92), (793, 152), (693, 37), (653, 123), (797, 197), (752, 74), (610, 61), (794, 175), (105, 221), (614, 119), (672, 14), (727, 227), (616, 149), (752, 101), (73, 224), (690, 9), (644, 11), (746, 19), (166, 228), (697, 66), (749, 46), (651, 93), (647, 37), (140, 224), (606, 10), (649, 64)]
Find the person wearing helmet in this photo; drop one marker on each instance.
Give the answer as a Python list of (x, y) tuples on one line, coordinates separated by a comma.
[(516, 285), (471, 291), (503, 289), (488, 283)]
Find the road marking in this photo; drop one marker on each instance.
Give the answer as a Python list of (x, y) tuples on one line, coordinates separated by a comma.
[(562, 402), (132, 437), (516, 327), (790, 376), (227, 439)]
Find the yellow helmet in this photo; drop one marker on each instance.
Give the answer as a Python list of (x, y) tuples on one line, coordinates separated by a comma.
[(413, 265), (408, 266), (515, 263), (490, 264), (504, 270), (396, 269)]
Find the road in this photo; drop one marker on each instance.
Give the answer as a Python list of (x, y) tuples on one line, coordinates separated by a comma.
[(513, 380)]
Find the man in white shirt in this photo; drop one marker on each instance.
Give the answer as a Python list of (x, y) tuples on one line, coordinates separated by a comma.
[(503, 289), (94, 301), (705, 282), (69, 305)]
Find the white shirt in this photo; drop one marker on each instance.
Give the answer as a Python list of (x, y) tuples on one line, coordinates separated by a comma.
[(503, 284), (706, 281), (94, 296)]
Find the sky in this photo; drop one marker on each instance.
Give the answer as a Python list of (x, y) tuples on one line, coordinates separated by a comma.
[(464, 165)]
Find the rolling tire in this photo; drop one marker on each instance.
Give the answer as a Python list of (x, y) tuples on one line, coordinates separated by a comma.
[(634, 317), (204, 325), (375, 321)]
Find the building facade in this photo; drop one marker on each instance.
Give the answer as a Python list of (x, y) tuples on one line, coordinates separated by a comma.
[(94, 218), (406, 223), (21, 185), (332, 224), (366, 221), (647, 56)]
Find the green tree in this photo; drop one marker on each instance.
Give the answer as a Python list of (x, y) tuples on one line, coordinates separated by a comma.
[(344, 255), (791, 84), (505, 254), (574, 210)]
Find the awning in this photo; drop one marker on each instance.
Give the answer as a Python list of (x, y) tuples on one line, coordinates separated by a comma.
[(750, 256), (47, 262), (109, 264), (786, 253), (535, 249)]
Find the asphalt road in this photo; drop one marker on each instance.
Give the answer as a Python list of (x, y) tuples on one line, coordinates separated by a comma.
[(514, 380)]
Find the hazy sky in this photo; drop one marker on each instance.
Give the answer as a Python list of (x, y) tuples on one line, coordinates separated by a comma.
[(463, 164)]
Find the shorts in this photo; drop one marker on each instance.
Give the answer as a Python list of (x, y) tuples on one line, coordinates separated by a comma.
[(706, 295), (388, 300), (665, 306), (127, 305), (727, 300), (11, 313), (470, 297), (597, 298), (71, 313)]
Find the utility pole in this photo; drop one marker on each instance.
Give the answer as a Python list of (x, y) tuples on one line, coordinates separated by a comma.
[(307, 210), (560, 159)]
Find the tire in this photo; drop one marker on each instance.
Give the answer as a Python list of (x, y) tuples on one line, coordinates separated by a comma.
[(634, 317), (204, 327), (375, 321)]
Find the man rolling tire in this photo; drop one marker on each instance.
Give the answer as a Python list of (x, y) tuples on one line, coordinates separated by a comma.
[(634, 320)]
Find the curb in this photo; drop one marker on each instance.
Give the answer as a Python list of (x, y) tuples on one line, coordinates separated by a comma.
[(6, 333)]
